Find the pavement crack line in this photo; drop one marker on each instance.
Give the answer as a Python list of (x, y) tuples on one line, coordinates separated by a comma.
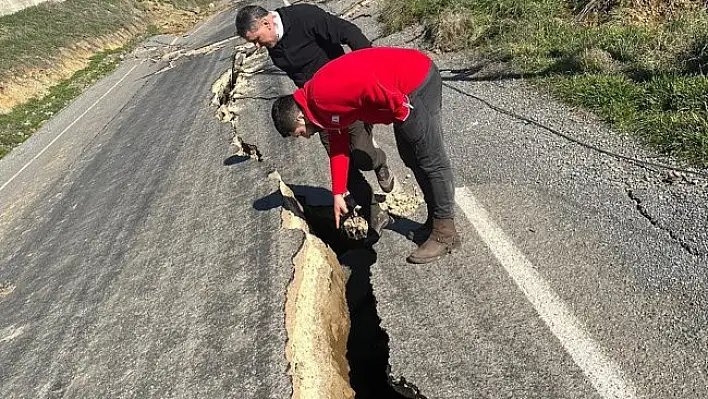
[(335, 338), (608, 379), (336, 348), (648, 165), (229, 89), (638, 203), (164, 53)]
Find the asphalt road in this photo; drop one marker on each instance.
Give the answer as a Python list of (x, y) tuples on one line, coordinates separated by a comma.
[(136, 264)]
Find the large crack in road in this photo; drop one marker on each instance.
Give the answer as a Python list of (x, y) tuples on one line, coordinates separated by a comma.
[(228, 89), (336, 347), (367, 350)]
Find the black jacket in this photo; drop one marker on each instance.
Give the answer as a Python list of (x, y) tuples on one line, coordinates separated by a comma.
[(311, 38)]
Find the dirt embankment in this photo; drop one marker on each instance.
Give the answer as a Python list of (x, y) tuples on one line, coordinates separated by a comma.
[(22, 84)]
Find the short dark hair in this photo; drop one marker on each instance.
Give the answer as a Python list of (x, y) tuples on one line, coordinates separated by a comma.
[(284, 113), (247, 19)]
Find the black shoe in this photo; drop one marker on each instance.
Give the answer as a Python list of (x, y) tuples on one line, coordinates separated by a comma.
[(385, 178), (380, 220)]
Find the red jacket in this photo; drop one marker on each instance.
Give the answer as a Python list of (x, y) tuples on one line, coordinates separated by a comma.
[(369, 85)]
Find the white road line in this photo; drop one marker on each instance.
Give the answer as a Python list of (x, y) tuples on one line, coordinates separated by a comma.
[(602, 372), (69, 127), (200, 27)]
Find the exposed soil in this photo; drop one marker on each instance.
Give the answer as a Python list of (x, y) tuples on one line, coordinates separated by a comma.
[(21, 85)]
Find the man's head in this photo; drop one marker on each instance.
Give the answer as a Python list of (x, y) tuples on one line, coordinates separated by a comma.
[(256, 25), (289, 119)]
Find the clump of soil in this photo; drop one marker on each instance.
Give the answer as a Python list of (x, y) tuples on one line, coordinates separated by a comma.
[(403, 200), (243, 149), (355, 227)]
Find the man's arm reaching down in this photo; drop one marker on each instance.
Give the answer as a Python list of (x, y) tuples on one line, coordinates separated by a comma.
[(339, 169), (339, 159)]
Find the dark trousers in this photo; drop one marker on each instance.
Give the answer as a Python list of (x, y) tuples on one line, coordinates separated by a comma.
[(420, 143), (363, 156)]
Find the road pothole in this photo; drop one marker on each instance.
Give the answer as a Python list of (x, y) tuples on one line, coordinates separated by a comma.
[(367, 350)]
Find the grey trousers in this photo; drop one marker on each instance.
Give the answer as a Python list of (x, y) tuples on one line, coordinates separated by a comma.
[(420, 144), (363, 156)]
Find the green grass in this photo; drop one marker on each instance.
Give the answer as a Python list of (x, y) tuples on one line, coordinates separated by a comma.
[(644, 78), (32, 37), (668, 111), (24, 120)]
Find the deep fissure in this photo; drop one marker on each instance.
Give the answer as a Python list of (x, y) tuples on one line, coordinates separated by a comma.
[(367, 346)]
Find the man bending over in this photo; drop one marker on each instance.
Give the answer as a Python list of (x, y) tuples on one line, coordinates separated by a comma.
[(381, 85), (300, 40)]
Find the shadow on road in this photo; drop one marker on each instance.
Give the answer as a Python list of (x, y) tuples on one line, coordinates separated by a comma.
[(367, 347), (235, 159), (407, 228)]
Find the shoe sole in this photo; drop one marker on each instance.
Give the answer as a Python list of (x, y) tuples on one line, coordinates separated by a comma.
[(387, 187)]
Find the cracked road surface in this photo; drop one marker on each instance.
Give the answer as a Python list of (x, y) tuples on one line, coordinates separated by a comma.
[(132, 261), (135, 263)]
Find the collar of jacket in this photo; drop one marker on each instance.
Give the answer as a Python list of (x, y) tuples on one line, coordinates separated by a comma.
[(301, 100), (279, 27)]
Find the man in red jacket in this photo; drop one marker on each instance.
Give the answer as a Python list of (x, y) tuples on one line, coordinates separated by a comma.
[(381, 85), (301, 38)]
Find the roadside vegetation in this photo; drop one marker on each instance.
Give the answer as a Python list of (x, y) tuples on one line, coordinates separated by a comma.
[(639, 64), (52, 52)]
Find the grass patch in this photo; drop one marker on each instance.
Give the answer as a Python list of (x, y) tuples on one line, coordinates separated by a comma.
[(33, 38), (29, 37), (666, 111), (18, 125), (639, 64)]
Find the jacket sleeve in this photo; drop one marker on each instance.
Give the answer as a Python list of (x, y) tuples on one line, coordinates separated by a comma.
[(336, 30), (339, 159)]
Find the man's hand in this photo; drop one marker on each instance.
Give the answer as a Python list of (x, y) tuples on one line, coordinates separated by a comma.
[(340, 208)]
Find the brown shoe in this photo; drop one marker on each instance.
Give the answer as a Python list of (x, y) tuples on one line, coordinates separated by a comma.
[(442, 241)]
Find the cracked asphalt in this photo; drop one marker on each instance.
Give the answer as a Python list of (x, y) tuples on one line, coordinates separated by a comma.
[(135, 263)]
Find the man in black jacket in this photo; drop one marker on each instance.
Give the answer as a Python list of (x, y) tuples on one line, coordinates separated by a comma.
[(300, 40)]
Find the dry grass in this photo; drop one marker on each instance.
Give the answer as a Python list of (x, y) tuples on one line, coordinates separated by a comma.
[(25, 83), (455, 30), (636, 11)]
